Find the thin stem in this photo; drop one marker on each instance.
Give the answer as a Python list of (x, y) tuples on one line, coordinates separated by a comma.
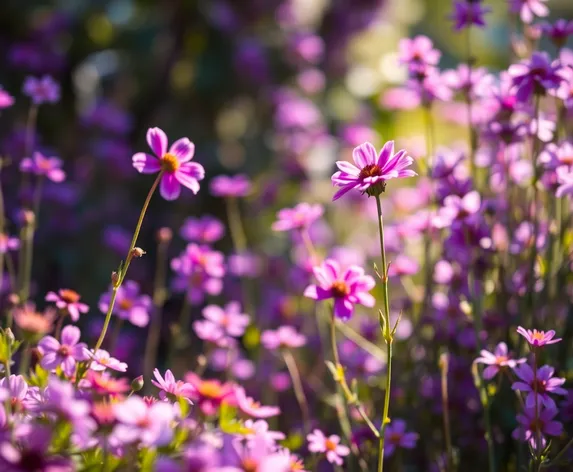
[(360, 341), (561, 453), (445, 410), (298, 388), (115, 335), (469, 104), (333, 343), (25, 360), (127, 262)]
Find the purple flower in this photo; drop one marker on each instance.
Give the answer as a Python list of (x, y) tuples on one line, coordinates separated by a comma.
[(230, 186), (44, 90), (129, 304), (174, 164), (538, 384), (64, 354), (16, 390), (417, 53), (69, 301), (559, 31), (138, 421), (403, 265), (535, 76), (538, 338), (230, 320), (467, 13), (102, 360), (256, 456), (497, 360), (528, 9), (40, 165), (299, 217), (170, 388), (565, 180), (206, 229), (6, 100), (395, 436), (531, 425), (283, 337), (8, 243), (372, 170), (250, 407), (348, 288), (318, 442)]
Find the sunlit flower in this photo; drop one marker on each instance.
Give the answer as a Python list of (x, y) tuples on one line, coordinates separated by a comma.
[(250, 407), (170, 388), (319, 443), (497, 360), (538, 385), (538, 338), (69, 301), (65, 353)]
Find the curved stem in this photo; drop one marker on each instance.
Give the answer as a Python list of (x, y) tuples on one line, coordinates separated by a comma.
[(298, 388)]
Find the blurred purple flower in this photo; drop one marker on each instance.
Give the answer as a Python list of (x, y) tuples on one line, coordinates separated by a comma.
[(68, 301), (319, 443), (535, 76), (538, 338), (205, 229), (8, 243), (418, 53), (283, 337), (40, 165), (174, 164), (497, 360), (299, 217), (558, 32), (538, 385), (396, 436), (532, 424), (172, 389), (44, 90), (467, 13), (528, 9), (230, 319), (402, 265), (230, 186), (129, 304), (64, 354)]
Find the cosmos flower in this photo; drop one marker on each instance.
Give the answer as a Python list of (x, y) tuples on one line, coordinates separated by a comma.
[(319, 443), (102, 360), (69, 301), (395, 436), (538, 338), (209, 393), (283, 337), (43, 90), (170, 388), (535, 76), (64, 354), (532, 424), (347, 288), (538, 384), (49, 167), (299, 217), (497, 360), (559, 31), (230, 186), (230, 319), (528, 9), (467, 13), (129, 305), (32, 323), (372, 170), (174, 164), (250, 407), (205, 229)]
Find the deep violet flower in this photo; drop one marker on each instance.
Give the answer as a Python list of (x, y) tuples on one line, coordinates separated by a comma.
[(64, 354), (175, 165), (531, 425), (319, 443), (538, 384), (44, 90), (129, 305), (372, 170), (49, 167), (396, 436), (559, 31), (205, 229), (283, 337), (299, 217), (497, 360), (348, 287), (535, 76), (170, 388), (538, 338), (230, 186), (467, 13), (528, 9), (68, 301), (250, 407)]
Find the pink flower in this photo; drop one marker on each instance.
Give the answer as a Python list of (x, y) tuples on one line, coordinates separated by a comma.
[(538, 338), (372, 170), (528, 9), (6, 100), (175, 165), (206, 229), (348, 288), (226, 186), (467, 13), (8, 243), (283, 337), (395, 435), (230, 320), (418, 50), (170, 388), (252, 408), (403, 265), (69, 301), (102, 360), (318, 442), (209, 394), (129, 304), (497, 360), (40, 165), (64, 354), (299, 217)]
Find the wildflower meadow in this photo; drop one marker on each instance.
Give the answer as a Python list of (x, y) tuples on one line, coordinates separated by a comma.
[(286, 236)]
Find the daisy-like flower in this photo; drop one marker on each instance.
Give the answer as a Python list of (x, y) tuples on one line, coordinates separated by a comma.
[(102, 383), (532, 424), (206, 229), (174, 163), (170, 388), (396, 436), (528, 9), (538, 338), (44, 90), (372, 170), (559, 31), (49, 167), (347, 288), (102, 360), (230, 319), (68, 301), (318, 442), (209, 394), (32, 323), (230, 186), (497, 360), (467, 13), (129, 304), (538, 384), (283, 337), (535, 76), (250, 407), (64, 354), (299, 217)]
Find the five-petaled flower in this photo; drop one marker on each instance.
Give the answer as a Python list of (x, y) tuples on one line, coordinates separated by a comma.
[(318, 442), (497, 360)]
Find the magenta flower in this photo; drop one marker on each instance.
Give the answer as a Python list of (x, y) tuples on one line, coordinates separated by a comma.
[(531, 425), (129, 305), (535, 76), (403, 266), (565, 181), (138, 421), (497, 361), (102, 360), (299, 217), (175, 165), (209, 394), (538, 338), (396, 436), (68, 301), (230, 186), (372, 170), (64, 354), (231, 321), (8, 243), (6, 100), (49, 167), (559, 31), (206, 229), (44, 90), (467, 13), (283, 337), (528, 9), (319, 443), (538, 384), (348, 288), (250, 407), (418, 50), (170, 388)]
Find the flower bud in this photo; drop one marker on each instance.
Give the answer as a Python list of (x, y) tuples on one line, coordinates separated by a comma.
[(137, 383), (164, 235), (137, 252), (114, 278)]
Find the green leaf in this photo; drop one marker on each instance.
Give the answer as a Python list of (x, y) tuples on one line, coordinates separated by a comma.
[(148, 457)]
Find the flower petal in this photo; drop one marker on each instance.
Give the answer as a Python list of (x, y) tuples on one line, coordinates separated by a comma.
[(157, 141), (169, 187), (183, 150), (146, 163)]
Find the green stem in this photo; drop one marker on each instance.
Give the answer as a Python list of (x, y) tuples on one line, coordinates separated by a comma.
[(25, 360), (128, 258), (561, 453), (298, 388)]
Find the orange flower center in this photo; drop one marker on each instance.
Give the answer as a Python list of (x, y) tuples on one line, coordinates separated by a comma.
[(330, 445), (169, 163), (210, 389), (339, 289), (125, 304), (250, 465), (537, 335), (567, 160), (501, 359), (69, 296), (371, 170)]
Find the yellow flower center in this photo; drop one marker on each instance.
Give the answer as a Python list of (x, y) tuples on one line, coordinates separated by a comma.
[(210, 389), (169, 163), (69, 296)]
